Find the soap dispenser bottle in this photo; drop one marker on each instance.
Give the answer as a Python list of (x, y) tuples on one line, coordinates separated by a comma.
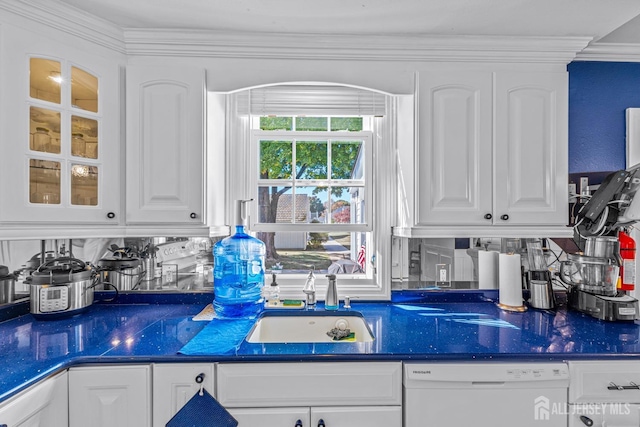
[(238, 272), (272, 293), (310, 289), (331, 301)]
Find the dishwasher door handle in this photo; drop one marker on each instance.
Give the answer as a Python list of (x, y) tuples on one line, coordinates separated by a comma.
[(487, 383)]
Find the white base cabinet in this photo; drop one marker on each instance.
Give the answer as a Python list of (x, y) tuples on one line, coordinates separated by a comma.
[(312, 394), (43, 405), (175, 384), (107, 396), (604, 393)]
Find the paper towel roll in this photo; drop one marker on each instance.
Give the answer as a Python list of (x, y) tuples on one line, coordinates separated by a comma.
[(488, 269), (509, 280)]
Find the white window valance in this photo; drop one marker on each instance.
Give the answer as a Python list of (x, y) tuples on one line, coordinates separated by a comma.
[(313, 100)]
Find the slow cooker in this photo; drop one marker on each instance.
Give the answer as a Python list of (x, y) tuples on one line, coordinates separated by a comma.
[(123, 273), (62, 287), (7, 285)]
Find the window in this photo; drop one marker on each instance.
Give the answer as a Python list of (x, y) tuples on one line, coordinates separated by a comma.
[(312, 182), (318, 161)]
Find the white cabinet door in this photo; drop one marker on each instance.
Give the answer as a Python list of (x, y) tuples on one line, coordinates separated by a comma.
[(349, 416), (43, 405), (531, 163), (174, 385), (271, 417), (454, 148), (165, 145), (46, 176), (106, 396)]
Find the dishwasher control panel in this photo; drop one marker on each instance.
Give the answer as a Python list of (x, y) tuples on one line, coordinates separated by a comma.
[(485, 372)]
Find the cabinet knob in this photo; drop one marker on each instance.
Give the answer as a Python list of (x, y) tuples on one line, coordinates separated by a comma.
[(488, 216), (586, 420), (193, 215), (321, 423), (111, 215), (504, 217), (200, 378), (298, 423)]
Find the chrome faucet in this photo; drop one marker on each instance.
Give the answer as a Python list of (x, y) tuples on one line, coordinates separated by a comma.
[(310, 289), (331, 301)]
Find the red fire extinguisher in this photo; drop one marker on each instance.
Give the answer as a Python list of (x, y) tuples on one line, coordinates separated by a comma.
[(628, 267)]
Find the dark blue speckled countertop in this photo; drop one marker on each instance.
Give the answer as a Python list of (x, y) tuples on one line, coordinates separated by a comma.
[(414, 326)]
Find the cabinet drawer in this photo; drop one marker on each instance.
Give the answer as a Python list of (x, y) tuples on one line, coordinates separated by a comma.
[(309, 384), (594, 382)]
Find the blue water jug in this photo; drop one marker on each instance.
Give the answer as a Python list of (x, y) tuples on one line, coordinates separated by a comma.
[(238, 272)]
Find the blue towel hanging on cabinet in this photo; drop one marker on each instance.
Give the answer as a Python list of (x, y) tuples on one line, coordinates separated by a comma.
[(202, 410)]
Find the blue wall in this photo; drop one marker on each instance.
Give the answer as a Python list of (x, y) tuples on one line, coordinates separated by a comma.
[(599, 93)]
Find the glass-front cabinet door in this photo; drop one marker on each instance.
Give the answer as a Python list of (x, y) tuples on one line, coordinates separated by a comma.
[(62, 130)]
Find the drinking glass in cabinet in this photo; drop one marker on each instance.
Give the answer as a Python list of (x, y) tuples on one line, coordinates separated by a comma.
[(78, 146), (44, 181), (84, 141), (45, 130), (45, 78), (84, 90)]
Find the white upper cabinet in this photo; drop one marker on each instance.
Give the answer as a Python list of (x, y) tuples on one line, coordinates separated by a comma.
[(531, 163), (60, 113), (492, 151), (454, 177), (165, 145)]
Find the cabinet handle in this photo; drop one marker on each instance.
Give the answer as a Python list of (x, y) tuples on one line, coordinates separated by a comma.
[(504, 217), (321, 423), (488, 216), (631, 386), (298, 423), (111, 215), (193, 215), (586, 420), (200, 378)]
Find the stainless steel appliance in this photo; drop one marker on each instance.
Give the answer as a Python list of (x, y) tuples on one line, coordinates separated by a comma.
[(593, 277), (7, 285), (123, 273), (538, 277), (592, 288), (62, 287)]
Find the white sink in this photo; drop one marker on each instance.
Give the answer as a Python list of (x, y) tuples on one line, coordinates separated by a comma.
[(308, 327)]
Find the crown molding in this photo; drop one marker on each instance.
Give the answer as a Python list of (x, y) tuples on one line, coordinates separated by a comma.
[(198, 43), (611, 52), (69, 20), (218, 44)]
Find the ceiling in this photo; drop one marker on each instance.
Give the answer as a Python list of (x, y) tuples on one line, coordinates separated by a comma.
[(612, 21)]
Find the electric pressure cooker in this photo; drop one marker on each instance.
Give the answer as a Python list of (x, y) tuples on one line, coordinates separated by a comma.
[(62, 287), (123, 273)]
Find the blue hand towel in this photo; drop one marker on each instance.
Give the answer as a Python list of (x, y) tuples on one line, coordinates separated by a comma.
[(202, 410)]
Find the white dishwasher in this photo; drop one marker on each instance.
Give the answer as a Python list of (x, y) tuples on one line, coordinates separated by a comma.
[(485, 394)]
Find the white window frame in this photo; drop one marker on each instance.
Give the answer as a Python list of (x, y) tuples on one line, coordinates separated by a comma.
[(235, 141)]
